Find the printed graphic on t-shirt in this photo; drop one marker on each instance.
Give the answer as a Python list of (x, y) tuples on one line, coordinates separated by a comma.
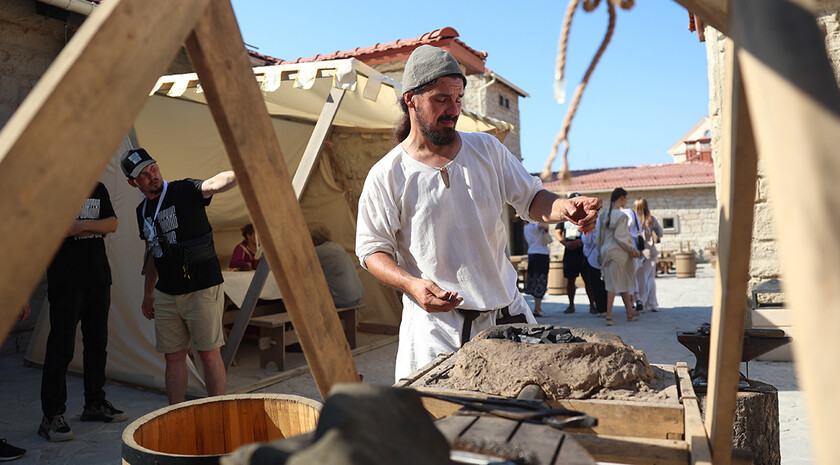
[(90, 211), (168, 221)]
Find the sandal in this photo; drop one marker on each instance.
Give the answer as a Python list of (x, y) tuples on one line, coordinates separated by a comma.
[(541, 314), (610, 322), (633, 317)]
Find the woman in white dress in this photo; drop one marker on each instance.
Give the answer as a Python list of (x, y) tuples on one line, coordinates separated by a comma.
[(616, 253), (651, 231)]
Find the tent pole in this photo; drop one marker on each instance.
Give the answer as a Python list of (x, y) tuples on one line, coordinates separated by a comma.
[(316, 140), (302, 174), (736, 203), (44, 180), (216, 50)]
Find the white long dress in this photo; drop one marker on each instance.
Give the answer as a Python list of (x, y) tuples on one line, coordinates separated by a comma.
[(614, 246)]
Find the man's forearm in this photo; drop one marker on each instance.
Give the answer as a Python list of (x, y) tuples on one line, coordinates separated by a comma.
[(384, 268), (150, 275), (102, 226), (219, 183), (547, 207)]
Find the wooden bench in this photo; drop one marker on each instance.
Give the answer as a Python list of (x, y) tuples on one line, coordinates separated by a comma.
[(276, 332)]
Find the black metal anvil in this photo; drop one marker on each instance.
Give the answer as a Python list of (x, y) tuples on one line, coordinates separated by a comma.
[(756, 342)]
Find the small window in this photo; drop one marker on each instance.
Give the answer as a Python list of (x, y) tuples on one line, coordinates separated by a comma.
[(501, 100), (507, 103), (670, 224)]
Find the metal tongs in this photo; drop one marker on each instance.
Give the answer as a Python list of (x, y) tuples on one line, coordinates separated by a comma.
[(521, 410)]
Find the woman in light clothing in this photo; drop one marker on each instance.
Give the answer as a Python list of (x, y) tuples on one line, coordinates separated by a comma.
[(616, 253), (646, 273), (538, 263)]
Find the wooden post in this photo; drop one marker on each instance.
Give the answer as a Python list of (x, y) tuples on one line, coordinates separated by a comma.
[(316, 140), (51, 156), (302, 175), (795, 106), (216, 50), (736, 202)]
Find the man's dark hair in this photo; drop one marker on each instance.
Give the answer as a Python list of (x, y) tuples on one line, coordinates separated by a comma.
[(403, 127)]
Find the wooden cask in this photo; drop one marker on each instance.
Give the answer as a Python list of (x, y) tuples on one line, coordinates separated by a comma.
[(686, 264), (200, 431)]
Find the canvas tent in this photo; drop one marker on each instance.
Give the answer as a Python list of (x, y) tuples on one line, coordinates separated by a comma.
[(177, 129)]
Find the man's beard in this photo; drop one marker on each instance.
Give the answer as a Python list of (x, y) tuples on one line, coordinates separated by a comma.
[(440, 137)]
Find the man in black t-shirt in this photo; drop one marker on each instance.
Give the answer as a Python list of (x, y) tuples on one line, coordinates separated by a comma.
[(183, 286), (79, 289)]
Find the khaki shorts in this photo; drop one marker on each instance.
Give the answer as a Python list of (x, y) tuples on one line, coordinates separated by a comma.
[(195, 317)]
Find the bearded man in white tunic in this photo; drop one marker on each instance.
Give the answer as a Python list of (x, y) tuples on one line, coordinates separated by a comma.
[(430, 217)]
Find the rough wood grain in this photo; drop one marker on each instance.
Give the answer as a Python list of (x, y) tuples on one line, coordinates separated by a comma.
[(51, 155), (216, 50), (736, 203)]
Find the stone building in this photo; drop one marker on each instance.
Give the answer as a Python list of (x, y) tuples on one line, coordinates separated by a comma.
[(680, 195)]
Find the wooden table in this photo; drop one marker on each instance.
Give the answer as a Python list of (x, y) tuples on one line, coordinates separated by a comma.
[(547, 445)]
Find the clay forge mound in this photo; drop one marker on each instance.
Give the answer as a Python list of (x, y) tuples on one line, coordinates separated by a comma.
[(601, 366)]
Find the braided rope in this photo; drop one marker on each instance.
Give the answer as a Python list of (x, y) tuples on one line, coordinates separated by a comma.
[(563, 135)]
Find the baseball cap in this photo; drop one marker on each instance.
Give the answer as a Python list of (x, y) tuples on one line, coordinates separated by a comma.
[(427, 63), (134, 160)]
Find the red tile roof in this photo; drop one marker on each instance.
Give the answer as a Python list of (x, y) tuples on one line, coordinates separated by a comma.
[(400, 49), (644, 176)]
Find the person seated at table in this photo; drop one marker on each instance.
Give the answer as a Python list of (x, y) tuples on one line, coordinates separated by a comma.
[(244, 256), (342, 279)]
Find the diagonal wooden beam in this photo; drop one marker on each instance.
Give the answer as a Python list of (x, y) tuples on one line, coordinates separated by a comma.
[(302, 175), (58, 142), (715, 13), (216, 50), (317, 139), (795, 106), (736, 203)]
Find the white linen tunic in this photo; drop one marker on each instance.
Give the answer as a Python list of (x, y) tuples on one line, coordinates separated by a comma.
[(454, 237)]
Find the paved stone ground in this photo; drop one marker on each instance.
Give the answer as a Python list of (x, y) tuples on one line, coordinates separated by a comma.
[(686, 303)]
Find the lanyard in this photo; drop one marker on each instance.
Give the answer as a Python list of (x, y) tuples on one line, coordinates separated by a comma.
[(151, 225)]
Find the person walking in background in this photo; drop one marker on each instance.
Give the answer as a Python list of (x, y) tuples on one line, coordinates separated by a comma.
[(79, 290), (617, 251), (592, 272), (635, 230), (650, 232), (573, 260), (244, 257), (538, 238)]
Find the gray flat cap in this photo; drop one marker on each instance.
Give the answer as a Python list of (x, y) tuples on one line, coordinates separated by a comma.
[(428, 63)]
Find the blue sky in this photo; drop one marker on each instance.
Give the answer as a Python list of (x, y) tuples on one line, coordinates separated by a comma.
[(648, 90)]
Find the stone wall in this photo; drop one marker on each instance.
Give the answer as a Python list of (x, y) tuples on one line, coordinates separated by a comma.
[(695, 211), (495, 100), (764, 262)]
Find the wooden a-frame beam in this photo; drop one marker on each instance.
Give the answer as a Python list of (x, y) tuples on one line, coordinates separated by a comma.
[(794, 104), (302, 175), (216, 50), (736, 204), (59, 141)]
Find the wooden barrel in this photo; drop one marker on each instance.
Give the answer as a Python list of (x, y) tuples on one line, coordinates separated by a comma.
[(686, 264), (200, 431), (556, 281)]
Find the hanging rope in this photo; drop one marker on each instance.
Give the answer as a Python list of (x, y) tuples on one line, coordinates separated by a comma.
[(559, 76)]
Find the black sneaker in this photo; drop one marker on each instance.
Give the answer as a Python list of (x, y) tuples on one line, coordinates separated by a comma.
[(639, 306), (55, 429), (9, 452), (104, 412)]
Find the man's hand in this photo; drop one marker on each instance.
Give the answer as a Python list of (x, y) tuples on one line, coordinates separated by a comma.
[(432, 298), (634, 253), (583, 212), (148, 306)]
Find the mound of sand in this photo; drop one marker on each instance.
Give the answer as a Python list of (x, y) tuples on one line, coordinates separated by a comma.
[(602, 367)]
